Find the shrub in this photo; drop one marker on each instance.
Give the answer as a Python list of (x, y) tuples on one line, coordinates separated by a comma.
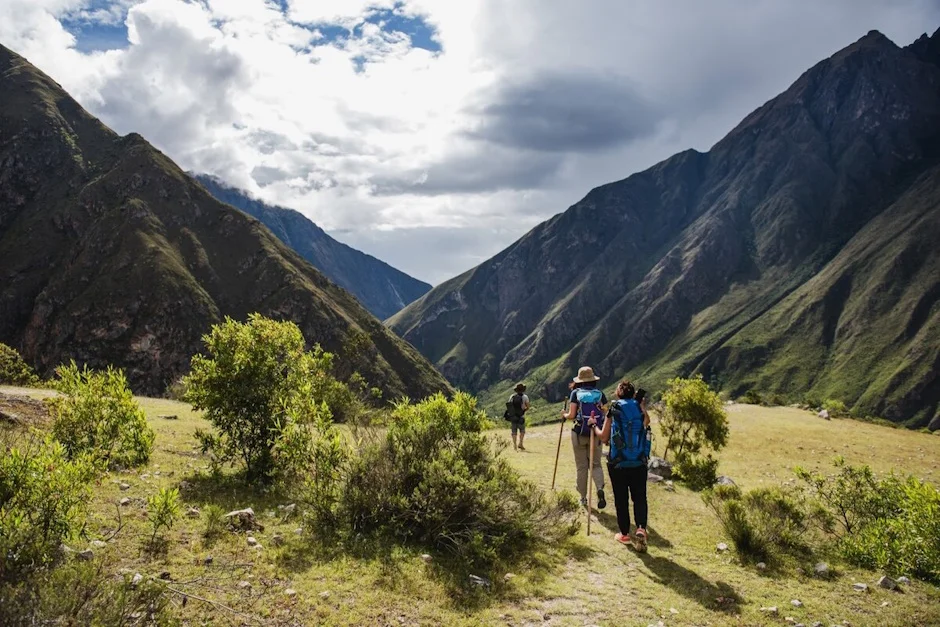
[(256, 380), (694, 418), (836, 409), (97, 414), (433, 478), (43, 501), (697, 472), (215, 522), (887, 523), (13, 370), (752, 397), (84, 593), (762, 523), (163, 508)]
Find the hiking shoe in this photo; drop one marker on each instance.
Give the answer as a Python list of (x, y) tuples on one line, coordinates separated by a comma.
[(601, 501), (621, 538), (521, 448), (639, 539)]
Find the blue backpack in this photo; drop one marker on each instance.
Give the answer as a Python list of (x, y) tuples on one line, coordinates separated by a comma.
[(589, 401), (629, 444)]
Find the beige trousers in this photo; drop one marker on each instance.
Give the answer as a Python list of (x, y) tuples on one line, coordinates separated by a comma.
[(581, 444)]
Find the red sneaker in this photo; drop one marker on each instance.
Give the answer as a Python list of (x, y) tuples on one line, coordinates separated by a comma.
[(621, 538)]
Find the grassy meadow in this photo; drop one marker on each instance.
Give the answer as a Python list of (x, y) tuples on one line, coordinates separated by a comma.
[(682, 580)]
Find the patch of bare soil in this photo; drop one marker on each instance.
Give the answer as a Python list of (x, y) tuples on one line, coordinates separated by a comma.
[(22, 411)]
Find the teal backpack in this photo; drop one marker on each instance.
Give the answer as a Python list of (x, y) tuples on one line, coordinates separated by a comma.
[(630, 441)]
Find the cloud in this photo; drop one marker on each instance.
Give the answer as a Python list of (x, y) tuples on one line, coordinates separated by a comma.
[(433, 133), (558, 112)]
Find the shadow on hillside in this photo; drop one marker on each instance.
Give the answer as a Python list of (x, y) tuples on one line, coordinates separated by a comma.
[(717, 596), (609, 521), (230, 492)]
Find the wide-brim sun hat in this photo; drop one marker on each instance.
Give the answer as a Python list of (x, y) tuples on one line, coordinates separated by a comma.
[(585, 375), (520, 387)]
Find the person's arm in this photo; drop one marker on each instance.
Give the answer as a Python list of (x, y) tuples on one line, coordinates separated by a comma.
[(572, 411), (525, 403), (604, 434), (646, 416)]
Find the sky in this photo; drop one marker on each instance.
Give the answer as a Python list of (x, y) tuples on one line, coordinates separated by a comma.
[(434, 133)]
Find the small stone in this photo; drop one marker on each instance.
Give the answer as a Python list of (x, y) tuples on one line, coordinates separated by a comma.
[(244, 585), (860, 587), (125, 502), (723, 480), (884, 604), (86, 555), (65, 550), (298, 530), (98, 544), (660, 467), (145, 476), (761, 566), (125, 486), (290, 592), (184, 485), (817, 624), (789, 619), (192, 512), (722, 547), (243, 519), (888, 583), (654, 478), (824, 414), (479, 581), (168, 416), (287, 509), (821, 569), (324, 595), (508, 577), (156, 473), (673, 610), (258, 547), (277, 540), (165, 575), (251, 541), (427, 558), (904, 580), (207, 560), (136, 579), (770, 610), (796, 603)]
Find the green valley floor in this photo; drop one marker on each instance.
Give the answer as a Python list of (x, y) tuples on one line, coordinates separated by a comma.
[(682, 580)]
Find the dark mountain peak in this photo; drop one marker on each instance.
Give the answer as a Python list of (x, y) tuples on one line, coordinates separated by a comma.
[(927, 48)]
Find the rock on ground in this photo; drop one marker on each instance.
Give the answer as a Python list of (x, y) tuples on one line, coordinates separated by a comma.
[(659, 466), (723, 480), (888, 583)]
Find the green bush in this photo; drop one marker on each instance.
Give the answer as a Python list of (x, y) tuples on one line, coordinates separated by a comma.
[(694, 418), (752, 397), (836, 409), (13, 370), (215, 522), (762, 523), (698, 473), (256, 381), (84, 593), (887, 523), (97, 414), (163, 508), (434, 479), (43, 502)]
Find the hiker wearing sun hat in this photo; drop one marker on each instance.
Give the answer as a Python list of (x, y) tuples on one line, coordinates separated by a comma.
[(587, 401), (516, 407)]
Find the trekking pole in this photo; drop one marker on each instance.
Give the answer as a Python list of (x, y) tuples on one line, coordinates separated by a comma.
[(590, 478), (561, 431)]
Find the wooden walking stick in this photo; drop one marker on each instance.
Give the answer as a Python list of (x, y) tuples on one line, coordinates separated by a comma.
[(561, 431), (590, 477)]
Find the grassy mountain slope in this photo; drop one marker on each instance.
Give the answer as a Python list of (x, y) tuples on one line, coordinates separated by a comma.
[(656, 274), (382, 289), (109, 253)]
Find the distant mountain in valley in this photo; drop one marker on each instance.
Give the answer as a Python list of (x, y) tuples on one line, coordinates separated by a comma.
[(800, 256), (110, 254), (382, 289)]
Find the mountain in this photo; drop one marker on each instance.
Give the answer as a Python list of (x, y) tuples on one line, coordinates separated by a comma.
[(110, 254), (798, 256), (381, 288)]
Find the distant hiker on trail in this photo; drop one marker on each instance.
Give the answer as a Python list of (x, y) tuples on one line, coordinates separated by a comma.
[(586, 400), (516, 407), (627, 430)]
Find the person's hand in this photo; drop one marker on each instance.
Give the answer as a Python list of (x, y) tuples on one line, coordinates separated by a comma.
[(592, 421)]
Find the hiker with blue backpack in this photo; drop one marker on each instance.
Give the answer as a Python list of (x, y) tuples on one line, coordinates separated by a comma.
[(587, 402), (627, 431)]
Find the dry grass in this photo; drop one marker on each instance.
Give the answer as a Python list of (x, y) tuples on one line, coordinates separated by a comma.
[(681, 581)]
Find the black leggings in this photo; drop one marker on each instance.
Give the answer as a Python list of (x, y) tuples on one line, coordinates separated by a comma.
[(632, 482)]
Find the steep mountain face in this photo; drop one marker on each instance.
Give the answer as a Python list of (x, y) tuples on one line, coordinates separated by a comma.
[(110, 254), (798, 256), (382, 289)]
